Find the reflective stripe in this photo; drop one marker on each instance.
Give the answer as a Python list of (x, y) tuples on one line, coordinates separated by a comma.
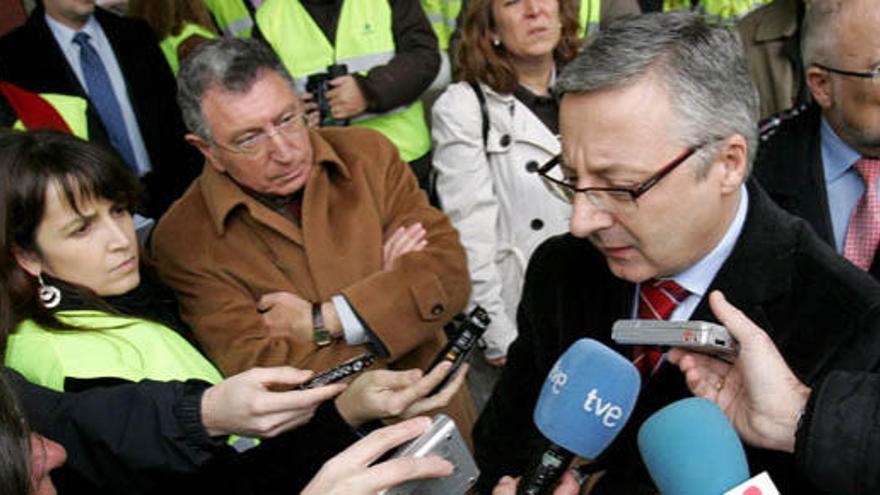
[(436, 17), (232, 16), (365, 116), (589, 15), (239, 26), (722, 12)]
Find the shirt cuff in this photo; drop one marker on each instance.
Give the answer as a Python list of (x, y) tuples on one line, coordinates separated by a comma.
[(355, 333)]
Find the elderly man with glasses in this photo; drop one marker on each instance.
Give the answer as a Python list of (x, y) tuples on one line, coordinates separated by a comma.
[(658, 124), (822, 162), (299, 246)]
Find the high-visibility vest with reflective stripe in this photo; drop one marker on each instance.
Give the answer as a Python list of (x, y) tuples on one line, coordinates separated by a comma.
[(589, 15), (172, 42), (72, 110), (443, 16), (364, 39), (722, 12), (232, 16)]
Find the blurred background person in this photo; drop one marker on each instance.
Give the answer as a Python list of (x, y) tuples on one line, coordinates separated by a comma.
[(180, 25), (234, 17), (491, 132)]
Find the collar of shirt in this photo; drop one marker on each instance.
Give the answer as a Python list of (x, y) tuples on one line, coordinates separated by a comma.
[(837, 156), (64, 36), (697, 278)]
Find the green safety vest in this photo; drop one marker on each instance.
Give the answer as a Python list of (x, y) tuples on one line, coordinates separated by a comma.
[(111, 346), (72, 110), (443, 16), (172, 42), (722, 12), (364, 39), (232, 16), (589, 15)]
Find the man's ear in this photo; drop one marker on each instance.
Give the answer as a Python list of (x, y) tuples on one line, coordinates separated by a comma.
[(734, 157), (207, 150), (28, 261), (819, 82)]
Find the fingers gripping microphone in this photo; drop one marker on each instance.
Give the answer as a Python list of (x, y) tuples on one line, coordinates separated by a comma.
[(585, 402), (690, 448)]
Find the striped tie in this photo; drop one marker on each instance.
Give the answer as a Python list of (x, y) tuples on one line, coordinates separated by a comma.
[(657, 300)]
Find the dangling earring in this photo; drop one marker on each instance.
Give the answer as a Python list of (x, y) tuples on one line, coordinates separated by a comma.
[(50, 296), (496, 42)]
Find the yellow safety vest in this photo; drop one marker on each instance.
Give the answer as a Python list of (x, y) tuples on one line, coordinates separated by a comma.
[(172, 42), (232, 16), (443, 16), (71, 108), (722, 12), (589, 15), (364, 39)]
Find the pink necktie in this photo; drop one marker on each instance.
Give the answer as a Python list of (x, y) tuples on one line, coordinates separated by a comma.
[(863, 231), (657, 300)]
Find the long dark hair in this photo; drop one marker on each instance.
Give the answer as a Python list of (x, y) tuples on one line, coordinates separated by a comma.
[(29, 163), (477, 60), (15, 445)]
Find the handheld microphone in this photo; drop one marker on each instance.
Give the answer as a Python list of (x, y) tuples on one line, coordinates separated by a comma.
[(690, 448), (585, 401)]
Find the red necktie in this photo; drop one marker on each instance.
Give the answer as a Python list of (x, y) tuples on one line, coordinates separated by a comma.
[(863, 231), (657, 300)]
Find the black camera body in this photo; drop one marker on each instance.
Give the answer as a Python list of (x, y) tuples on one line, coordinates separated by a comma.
[(318, 84)]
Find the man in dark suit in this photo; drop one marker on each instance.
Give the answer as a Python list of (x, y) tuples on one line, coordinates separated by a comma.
[(143, 123), (812, 160), (658, 133)]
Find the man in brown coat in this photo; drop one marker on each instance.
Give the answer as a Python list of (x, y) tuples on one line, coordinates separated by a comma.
[(289, 230)]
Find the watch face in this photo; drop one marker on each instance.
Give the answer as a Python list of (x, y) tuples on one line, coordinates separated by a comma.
[(322, 337)]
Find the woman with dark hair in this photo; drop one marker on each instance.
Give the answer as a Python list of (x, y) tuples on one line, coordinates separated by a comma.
[(83, 316), (491, 131)]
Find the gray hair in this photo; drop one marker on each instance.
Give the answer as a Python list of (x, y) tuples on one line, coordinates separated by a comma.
[(232, 64), (818, 31), (702, 68)]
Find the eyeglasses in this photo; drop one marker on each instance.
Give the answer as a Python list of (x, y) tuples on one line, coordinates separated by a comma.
[(610, 199), (873, 74), (256, 144)]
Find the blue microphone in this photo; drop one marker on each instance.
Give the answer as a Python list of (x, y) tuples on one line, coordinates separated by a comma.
[(690, 448), (585, 401)]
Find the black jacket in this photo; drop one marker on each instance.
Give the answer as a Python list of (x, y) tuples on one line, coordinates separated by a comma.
[(838, 443), (821, 311), (31, 58), (147, 437)]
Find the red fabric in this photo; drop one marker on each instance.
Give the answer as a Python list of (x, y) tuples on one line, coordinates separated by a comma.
[(657, 300), (33, 110), (863, 232)]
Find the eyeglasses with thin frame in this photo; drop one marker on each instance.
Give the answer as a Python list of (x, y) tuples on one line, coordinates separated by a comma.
[(610, 199), (872, 74), (257, 144)]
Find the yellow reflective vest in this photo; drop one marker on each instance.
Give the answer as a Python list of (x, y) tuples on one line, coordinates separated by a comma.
[(364, 39), (722, 12), (172, 42), (589, 15), (443, 16), (72, 110), (232, 16)]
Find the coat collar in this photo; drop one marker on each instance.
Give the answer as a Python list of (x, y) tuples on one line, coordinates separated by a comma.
[(780, 21), (222, 195)]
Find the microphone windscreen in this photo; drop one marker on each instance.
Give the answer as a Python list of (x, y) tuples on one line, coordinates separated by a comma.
[(690, 448), (587, 398)]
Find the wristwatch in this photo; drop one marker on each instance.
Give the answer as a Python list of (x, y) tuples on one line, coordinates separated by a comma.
[(321, 334)]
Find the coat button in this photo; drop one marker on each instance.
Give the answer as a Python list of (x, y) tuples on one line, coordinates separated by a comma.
[(505, 140), (437, 309), (537, 224), (532, 166)]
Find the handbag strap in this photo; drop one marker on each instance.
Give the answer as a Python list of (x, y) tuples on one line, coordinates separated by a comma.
[(481, 98)]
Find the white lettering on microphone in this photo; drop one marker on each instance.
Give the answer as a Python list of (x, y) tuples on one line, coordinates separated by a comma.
[(608, 411), (558, 378)]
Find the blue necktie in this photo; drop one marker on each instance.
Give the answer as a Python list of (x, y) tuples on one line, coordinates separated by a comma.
[(102, 96)]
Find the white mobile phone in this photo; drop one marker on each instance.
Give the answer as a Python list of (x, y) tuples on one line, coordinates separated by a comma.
[(443, 440), (700, 336)]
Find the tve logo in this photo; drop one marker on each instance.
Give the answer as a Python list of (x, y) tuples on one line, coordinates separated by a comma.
[(557, 378), (608, 411), (757, 485)]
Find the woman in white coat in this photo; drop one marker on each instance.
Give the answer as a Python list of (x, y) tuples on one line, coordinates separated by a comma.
[(485, 153)]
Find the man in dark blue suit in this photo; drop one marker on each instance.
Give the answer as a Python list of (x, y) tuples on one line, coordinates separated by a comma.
[(658, 123), (71, 47)]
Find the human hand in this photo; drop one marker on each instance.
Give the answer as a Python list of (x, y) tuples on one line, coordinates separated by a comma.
[(243, 404), (287, 314), (310, 107), (568, 485), (403, 240), (350, 473), (346, 98), (758, 393), (384, 394)]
